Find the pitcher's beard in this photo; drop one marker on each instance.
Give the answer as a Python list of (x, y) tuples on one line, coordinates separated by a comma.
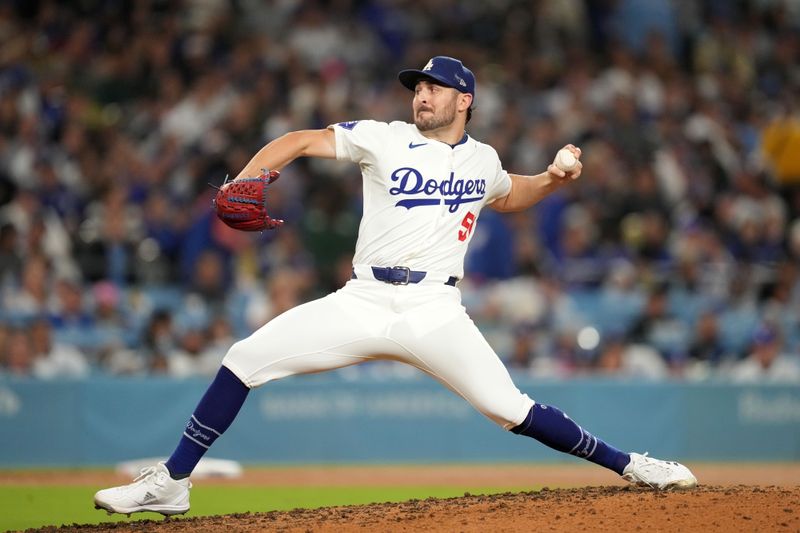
[(434, 121)]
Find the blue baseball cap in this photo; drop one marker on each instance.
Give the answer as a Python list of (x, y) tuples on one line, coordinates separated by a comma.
[(445, 70)]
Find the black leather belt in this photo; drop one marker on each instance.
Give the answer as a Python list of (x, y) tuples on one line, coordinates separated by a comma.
[(402, 276)]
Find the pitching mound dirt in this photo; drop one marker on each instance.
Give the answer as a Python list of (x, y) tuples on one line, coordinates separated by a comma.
[(617, 509)]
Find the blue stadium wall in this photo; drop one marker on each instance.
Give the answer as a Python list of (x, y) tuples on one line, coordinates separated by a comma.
[(327, 419)]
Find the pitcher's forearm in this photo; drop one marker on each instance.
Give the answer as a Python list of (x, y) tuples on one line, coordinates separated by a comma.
[(526, 191), (286, 148)]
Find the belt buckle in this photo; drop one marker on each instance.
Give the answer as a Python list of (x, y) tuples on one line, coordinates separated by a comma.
[(408, 275)]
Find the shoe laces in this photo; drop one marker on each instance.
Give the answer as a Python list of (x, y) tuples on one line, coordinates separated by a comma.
[(150, 473), (658, 463), (649, 465)]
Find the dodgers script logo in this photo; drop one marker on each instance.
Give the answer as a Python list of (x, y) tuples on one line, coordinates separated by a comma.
[(451, 191), (196, 432)]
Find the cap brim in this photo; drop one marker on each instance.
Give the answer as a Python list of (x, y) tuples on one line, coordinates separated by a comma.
[(410, 77)]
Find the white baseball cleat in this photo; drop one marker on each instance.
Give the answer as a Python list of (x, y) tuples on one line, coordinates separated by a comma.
[(152, 491), (657, 474)]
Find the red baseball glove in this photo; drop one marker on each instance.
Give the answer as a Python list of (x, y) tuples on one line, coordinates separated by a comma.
[(242, 203)]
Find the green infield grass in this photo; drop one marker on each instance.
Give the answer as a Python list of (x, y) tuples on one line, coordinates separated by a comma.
[(23, 506)]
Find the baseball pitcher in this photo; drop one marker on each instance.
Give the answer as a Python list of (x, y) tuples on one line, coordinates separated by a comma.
[(424, 185)]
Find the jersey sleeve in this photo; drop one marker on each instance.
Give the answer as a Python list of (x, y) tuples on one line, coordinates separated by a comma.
[(500, 185), (359, 140)]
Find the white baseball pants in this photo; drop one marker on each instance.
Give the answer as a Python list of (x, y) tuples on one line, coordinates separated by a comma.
[(423, 325)]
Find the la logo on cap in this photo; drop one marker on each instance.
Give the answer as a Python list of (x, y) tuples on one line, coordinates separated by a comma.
[(429, 65)]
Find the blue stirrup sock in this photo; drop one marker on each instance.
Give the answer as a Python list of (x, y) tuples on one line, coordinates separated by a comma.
[(213, 415), (550, 426)]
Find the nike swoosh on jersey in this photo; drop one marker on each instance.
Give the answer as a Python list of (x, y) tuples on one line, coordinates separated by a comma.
[(411, 145)]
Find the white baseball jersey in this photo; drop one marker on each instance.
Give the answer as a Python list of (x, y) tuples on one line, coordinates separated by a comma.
[(421, 197), (421, 201)]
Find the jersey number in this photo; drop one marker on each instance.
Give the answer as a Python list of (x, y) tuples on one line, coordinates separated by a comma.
[(467, 223)]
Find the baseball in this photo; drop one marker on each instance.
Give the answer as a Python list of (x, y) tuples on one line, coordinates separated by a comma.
[(566, 160)]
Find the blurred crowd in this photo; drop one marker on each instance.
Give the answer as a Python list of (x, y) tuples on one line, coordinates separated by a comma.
[(676, 255)]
